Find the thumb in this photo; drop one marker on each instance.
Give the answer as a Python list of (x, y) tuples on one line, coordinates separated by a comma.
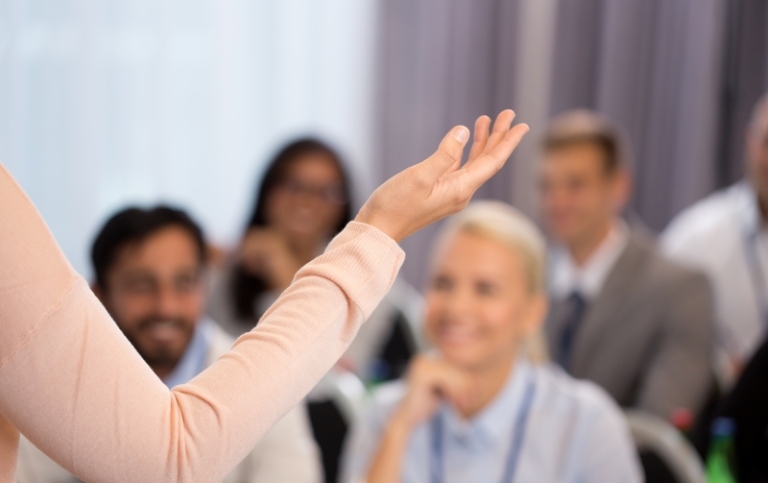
[(448, 154)]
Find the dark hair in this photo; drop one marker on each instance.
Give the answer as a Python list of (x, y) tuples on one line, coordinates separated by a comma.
[(133, 225), (278, 170), (582, 126), (246, 287)]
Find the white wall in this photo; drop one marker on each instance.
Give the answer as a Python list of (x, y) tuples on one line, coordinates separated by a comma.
[(106, 103)]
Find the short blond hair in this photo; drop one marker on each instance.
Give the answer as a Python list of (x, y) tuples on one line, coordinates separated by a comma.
[(505, 224)]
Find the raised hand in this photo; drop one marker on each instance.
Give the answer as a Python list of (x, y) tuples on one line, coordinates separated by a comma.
[(440, 186)]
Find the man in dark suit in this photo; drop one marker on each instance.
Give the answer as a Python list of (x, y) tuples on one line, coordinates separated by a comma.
[(622, 315)]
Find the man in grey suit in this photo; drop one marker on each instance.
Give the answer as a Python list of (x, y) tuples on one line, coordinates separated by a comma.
[(623, 316)]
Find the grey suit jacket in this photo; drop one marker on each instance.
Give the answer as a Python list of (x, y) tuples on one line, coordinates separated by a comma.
[(647, 339)]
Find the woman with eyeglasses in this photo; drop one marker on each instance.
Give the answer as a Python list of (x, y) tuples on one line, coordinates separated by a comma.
[(485, 405), (303, 201)]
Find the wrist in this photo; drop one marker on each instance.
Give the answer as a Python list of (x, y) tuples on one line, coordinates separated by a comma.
[(366, 216), (401, 423)]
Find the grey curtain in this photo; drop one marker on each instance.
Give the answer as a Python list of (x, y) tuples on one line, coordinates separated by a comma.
[(745, 79), (442, 63), (680, 76)]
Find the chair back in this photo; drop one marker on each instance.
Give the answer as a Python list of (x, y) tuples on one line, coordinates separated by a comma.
[(665, 454), (334, 406)]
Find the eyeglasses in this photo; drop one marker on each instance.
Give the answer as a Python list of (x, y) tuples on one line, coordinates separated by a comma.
[(331, 194)]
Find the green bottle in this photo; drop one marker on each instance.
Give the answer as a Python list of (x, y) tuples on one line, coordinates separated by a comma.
[(720, 457)]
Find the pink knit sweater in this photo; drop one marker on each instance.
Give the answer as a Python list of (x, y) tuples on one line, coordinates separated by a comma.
[(76, 388)]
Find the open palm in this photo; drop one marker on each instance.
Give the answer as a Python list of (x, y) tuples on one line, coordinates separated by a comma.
[(440, 186)]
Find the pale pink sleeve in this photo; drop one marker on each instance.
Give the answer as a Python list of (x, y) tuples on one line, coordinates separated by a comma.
[(76, 388)]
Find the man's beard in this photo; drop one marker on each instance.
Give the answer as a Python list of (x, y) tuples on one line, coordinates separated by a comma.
[(162, 356)]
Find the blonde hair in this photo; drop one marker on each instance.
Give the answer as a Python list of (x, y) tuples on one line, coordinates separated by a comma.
[(504, 224)]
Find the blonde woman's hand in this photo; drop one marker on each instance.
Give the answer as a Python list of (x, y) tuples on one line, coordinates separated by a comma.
[(431, 381), (440, 186)]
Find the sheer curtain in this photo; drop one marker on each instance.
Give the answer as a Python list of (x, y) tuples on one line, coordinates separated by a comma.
[(106, 103)]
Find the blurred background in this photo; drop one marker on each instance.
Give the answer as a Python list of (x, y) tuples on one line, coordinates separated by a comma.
[(107, 103)]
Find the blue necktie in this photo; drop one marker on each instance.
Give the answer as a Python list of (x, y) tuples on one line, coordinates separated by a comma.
[(574, 313)]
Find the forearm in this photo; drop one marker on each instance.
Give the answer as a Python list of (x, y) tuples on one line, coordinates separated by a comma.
[(387, 464)]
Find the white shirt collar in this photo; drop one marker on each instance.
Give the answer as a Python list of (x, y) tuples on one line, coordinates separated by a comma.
[(567, 277)]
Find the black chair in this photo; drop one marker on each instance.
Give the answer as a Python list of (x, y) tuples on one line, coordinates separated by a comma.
[(747, 405), (334, 406), (399, 348)]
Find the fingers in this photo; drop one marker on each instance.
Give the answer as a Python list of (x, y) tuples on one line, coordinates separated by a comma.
[(500, 128), (507, 145), (503, 122), (444, 380), (491, 162), (481, 137), (448, 154), (459, 389)]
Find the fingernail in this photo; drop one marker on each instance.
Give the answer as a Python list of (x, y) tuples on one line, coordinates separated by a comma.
[(461, 134)]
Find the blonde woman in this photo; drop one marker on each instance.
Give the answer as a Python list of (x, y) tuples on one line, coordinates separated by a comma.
[(486, 406)]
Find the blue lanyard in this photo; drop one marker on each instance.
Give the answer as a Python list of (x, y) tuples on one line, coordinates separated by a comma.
[(518, 438), (756, 274)]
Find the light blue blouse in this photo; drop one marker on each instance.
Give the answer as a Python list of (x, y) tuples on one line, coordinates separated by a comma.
[(573, 433)]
